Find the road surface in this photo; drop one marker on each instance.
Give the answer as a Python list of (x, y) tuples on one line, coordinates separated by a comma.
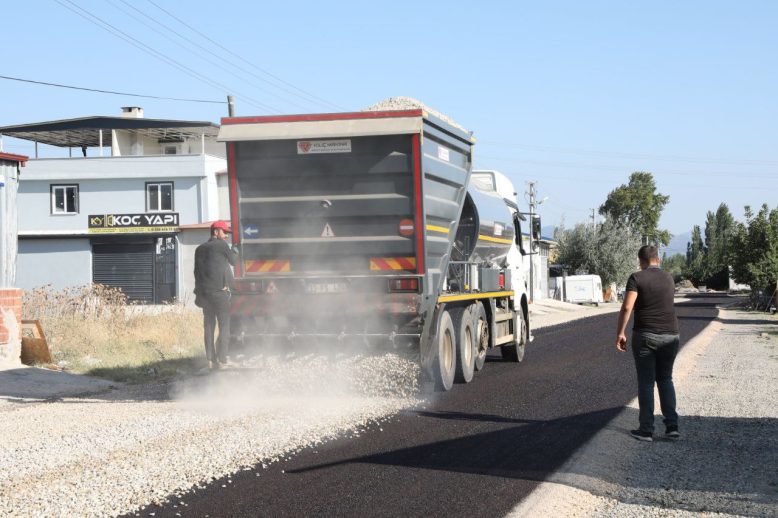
[(478, 449)]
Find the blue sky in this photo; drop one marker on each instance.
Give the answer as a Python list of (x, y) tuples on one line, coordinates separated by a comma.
[(575, 95)]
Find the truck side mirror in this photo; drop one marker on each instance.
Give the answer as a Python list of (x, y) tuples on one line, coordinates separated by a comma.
[(535, 227), (517, 232)]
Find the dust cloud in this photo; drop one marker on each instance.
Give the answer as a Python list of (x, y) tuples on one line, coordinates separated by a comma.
[(270, 380)]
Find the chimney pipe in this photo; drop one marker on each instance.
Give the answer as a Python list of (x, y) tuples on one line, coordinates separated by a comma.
[(133, 112)]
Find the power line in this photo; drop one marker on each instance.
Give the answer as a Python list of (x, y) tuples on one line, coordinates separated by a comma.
[(217, 64), (182, 22), (96, 20), (44, 83)]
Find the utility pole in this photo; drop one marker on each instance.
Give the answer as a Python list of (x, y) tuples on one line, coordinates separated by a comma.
[(532, 195), (594, 221), (230, 106)]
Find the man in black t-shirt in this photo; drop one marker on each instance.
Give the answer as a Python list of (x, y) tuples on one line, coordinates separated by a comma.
[(655, 341)]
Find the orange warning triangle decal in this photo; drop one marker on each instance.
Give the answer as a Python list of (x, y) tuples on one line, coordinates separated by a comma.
[(327, 232), (271, 288)]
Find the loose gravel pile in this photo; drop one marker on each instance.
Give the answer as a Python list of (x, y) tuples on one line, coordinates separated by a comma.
[(108, 456), (409, 103), (726, 462)]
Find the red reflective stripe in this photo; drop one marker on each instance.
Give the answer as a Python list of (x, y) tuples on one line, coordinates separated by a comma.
[(406, 262), (277, 266), (419, 216), (234, 216), (254, 266), (381, 264), (322, 117)]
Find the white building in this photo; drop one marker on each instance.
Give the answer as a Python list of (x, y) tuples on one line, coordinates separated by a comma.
[(116, 218)]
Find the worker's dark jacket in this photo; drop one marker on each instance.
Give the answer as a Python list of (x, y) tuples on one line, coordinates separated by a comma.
[(212, 266)]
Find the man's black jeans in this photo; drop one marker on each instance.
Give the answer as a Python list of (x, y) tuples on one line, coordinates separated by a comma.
[(216, 307), (654, 357)]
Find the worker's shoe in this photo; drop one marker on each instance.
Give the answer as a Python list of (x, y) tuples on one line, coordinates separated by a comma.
[(640, 435), (671, 432), (212, 365)]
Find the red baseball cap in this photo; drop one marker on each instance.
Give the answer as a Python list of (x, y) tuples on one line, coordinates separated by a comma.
[(223, 225)]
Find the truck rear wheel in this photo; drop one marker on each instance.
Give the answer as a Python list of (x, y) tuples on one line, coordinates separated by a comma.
[(514, 351), (446, 353), (481, 334), (463, 325)]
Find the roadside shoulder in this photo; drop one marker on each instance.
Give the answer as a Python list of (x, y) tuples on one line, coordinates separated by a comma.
[(725, 461)]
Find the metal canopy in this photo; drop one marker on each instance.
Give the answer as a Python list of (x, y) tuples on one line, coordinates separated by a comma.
[(85, 131)]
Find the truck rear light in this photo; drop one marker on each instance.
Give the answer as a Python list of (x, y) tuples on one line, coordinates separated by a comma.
[(403, 285), (501, 280), (406, 227), (248, 286)]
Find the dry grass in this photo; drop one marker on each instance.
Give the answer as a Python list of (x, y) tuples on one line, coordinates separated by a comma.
[(94, 330)]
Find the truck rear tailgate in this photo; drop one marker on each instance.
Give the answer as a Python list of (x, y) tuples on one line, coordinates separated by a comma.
[(326, 206)]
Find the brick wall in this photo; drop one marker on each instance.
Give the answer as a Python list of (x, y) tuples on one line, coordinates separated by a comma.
[(10, 325)]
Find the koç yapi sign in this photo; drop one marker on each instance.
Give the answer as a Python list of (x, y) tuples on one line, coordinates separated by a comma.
[(125, 223)]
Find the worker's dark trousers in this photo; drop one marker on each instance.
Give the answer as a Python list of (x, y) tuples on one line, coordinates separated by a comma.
[(654, 357), (216, 307)]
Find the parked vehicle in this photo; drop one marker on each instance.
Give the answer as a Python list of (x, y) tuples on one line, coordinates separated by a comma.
[(583, 289), (371, 227)]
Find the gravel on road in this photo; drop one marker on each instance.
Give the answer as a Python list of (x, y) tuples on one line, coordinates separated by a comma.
[(726, 461), (132, 447)]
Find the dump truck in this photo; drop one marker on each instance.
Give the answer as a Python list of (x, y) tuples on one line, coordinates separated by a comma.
[(371, 228)]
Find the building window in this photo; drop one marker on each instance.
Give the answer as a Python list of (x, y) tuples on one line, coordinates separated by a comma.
[(159, 196), (170, 150), (64, 199)]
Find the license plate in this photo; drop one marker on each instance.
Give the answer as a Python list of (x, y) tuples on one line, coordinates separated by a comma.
[(326, 287)]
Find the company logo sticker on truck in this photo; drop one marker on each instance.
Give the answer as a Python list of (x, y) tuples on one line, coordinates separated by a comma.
[(310, 147)]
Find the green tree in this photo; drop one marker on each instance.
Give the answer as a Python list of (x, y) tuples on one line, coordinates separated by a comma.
[(754, 252), (608, 249), (638, 205), (719, 229), (695, 264)]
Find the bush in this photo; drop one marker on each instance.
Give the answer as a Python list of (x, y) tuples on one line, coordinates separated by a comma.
[(93, 329)]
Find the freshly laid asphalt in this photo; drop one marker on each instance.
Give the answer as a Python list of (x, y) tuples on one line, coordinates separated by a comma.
[(476, 450)]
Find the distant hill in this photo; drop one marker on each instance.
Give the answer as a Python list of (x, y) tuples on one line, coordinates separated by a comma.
[(678, 244)]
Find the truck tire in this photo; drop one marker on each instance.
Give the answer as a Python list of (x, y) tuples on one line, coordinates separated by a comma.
[(463, 326), (445, 353), (514, 352), (481, 334)]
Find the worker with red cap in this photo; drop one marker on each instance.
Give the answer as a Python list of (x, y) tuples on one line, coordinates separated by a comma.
[(214, 260)]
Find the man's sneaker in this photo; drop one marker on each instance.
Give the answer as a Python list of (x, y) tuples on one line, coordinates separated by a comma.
[(671, 432), (640, 435)]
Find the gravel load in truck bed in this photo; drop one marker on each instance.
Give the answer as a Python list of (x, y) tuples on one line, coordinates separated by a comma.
[(409, 103), (113, 454)]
